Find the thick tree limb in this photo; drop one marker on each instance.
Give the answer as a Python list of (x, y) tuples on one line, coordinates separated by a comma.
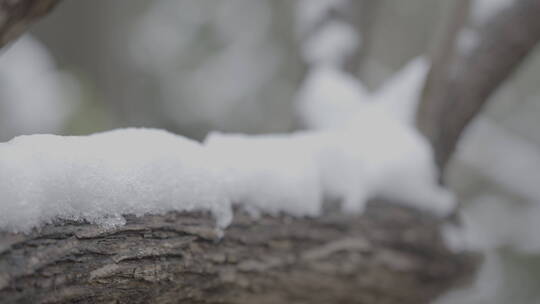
[(505, 41), (17, 15), (389, 255)]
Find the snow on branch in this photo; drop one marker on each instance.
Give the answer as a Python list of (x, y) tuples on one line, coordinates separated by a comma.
[(101, 177)]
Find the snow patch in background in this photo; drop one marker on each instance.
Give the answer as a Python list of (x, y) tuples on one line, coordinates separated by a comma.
[(399, 95), (331, 44), (375, 133), (328, 97), (325, 40), (35, 97)]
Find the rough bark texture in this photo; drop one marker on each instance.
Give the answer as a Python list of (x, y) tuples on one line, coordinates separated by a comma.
[(389, 255), (505, 41), (17, 15)]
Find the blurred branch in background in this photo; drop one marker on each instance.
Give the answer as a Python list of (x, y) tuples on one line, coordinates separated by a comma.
[(441, 58), (504, 42), (17, 15)]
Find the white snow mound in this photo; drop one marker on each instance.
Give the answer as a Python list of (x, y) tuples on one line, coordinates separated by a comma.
[(270, 173), (100, 177)]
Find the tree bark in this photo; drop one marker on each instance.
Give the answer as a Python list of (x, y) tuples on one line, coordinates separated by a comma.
[(505, 41), (389, 255), (17, 15)]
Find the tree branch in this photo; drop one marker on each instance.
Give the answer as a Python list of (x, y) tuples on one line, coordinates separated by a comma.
[(389, 255), (17, 15), (505, 41)]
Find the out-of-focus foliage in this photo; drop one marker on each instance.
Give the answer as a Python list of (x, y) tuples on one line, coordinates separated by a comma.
[(226, 65)]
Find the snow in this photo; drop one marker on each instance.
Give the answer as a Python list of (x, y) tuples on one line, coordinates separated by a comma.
[(400, 94), (295, 173), (100, 177), (328, 97), (361, 146), (331, 44), (269, 173), (375, 136), (325, 40), (398, 160)]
